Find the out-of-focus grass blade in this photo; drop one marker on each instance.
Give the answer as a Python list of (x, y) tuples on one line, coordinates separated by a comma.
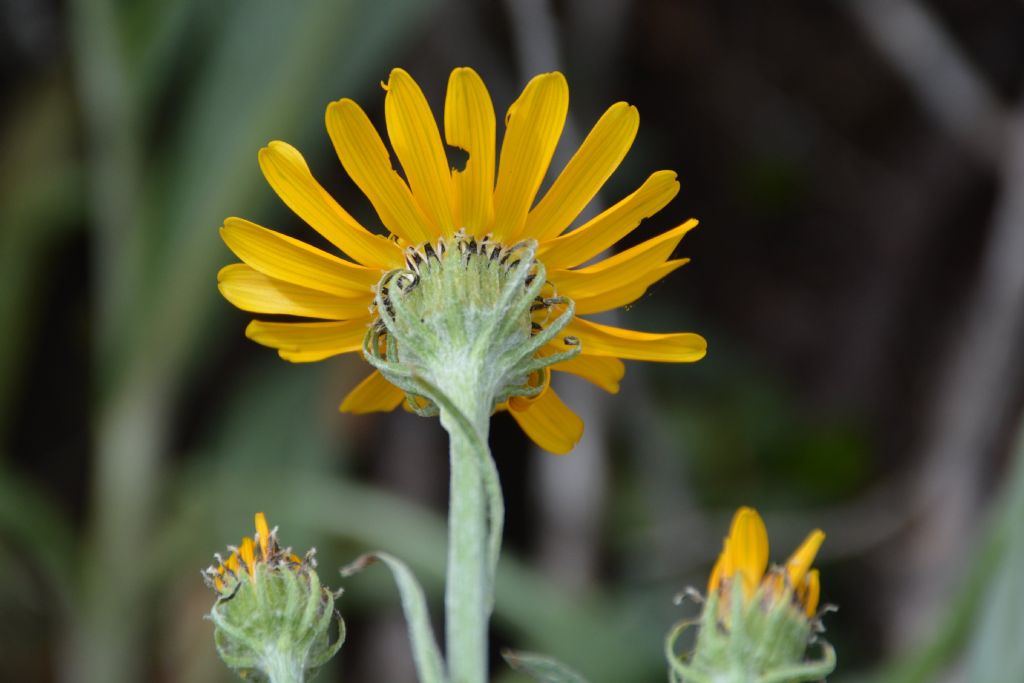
[(258, 448), (275, 68), (983, 615), (39, 530), (40, 195), (995, 652), (155, 33)]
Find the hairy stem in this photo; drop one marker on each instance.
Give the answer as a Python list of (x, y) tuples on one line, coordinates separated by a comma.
[(280, 667), (468, 587)]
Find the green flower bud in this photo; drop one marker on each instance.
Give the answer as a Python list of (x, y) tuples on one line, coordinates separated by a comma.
[(756, 623), (272, 618)]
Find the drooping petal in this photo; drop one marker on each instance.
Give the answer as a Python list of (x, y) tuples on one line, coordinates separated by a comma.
[(547, 421), (251, 290), (307, 342), (373, 394), (533, 125), (604, 230), (367, 162), (469, 125), (289, 175), (602, 371), (597, 158), (620, 279), (417, 142), (604, 340), (285, 258), (799, 563)]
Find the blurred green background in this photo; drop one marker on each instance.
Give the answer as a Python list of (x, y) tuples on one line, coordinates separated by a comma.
[(858, 168)]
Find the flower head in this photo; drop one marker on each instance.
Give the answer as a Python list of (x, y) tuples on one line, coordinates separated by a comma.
[(272, 617), (744, 562), (758, 620), (485, 213)]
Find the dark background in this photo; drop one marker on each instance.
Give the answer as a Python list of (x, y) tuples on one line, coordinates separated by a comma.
[(858, 170)]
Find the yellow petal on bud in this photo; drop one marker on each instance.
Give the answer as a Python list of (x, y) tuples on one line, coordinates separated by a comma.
[(810, 592), (248, 555), (747, 549), (799, 563), (263, 535)]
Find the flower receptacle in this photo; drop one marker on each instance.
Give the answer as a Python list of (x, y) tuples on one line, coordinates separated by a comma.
[(468, 316)]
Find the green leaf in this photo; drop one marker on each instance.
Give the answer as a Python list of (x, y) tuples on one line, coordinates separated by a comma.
[(425, 652), (541, 667)]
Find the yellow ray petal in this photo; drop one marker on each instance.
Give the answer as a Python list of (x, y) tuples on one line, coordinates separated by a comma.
[(811, 592), (748, 548), (367, 162), (251, 290), (802, 558), (248, 554), (232, 563), (417, 142), (285, 258), (532, 127), (306, 342), (601, 371), (600, 154), (373, 394), (289, 175), (620, 279), (263, 535), (603, 340), (469, 125), (547, 421), (630, 291), (604, 230)]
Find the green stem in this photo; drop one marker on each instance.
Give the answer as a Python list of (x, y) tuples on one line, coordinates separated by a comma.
[(282, 667), (468, 587), (465, 413)]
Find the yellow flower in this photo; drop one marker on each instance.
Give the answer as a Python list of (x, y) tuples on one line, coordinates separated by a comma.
[(744, 558), (491, 196)]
